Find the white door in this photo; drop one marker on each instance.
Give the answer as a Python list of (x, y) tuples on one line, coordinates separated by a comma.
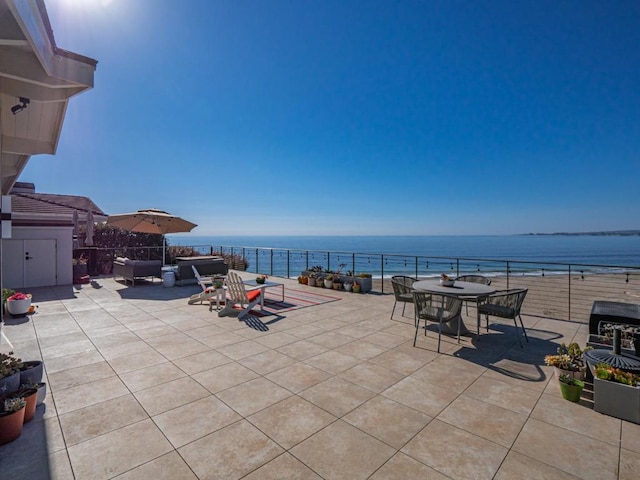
[(28, 263), (12, 263), (39, 263)]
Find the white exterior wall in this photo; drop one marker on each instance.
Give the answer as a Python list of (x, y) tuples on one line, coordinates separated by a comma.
[(64, 252)]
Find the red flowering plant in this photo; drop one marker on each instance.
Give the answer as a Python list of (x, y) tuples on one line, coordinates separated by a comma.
[(261, 278), (19, 296)]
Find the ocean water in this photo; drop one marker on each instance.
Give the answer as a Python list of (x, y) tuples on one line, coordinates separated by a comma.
[(435, 252)]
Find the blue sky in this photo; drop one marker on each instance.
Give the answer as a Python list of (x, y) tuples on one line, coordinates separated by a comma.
[(349, 117)]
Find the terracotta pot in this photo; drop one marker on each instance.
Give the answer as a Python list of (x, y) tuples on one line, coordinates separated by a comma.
[(11, 426), (31, 397)]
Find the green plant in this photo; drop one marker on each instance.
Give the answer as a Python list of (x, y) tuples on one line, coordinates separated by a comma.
[(329, 277), (364, 275), (9, 364), (316, 268), (607, 372), (6, 293), (568, 357)]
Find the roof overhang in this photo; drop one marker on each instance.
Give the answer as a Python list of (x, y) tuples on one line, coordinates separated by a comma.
[(33, 67)]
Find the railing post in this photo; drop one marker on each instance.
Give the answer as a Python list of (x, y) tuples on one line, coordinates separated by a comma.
[(307, 260), (328, 260), (569, 297), (271, 266), (353, 263), (382, 272), (457, 267), (508, 270), (257, 260), (416, 267)]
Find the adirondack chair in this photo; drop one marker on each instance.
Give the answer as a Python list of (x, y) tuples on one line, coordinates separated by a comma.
[(208, 288), (239, 296)]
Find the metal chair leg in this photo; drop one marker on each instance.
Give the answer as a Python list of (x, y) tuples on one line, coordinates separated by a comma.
[(523, 329), (515, 322), (394, 308)]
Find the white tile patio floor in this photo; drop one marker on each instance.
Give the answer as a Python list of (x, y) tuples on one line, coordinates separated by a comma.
[(142, 385)]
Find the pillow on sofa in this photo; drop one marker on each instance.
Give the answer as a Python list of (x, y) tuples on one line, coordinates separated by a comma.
[(122, 260)]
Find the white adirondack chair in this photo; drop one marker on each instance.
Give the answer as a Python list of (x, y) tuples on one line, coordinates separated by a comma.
[(239, 296), (208, 290)]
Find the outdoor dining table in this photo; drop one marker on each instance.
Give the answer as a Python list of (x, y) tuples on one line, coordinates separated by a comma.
[(464, 290)]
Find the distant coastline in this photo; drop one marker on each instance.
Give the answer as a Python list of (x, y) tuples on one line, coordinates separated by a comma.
[(612, 233)]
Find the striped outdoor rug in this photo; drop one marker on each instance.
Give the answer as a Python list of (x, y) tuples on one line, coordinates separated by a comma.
[(293, 300)]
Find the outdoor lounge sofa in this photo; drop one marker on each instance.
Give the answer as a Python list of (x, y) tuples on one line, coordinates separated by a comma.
[(132, 269)]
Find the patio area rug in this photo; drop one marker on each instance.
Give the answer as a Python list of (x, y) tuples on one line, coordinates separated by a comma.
[(293, 300)]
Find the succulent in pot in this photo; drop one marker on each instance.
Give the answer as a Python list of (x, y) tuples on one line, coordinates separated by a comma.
[(9, 373), (12, 409), (568, 360)]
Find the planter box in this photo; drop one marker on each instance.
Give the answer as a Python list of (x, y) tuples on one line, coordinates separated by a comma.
[(366, 284), (617, 400)]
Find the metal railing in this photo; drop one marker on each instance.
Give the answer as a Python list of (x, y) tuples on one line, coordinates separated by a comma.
[(556, 290)]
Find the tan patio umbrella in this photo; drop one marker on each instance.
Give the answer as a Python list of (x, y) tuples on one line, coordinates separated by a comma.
[(88, 241), (151, 221), (76, 229)]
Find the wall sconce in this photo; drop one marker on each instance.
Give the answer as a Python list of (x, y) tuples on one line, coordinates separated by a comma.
[(21, 106)]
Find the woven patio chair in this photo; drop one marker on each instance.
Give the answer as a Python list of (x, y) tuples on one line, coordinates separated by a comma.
[(503, 304), (402, 291), (433, 307), (473, 279)]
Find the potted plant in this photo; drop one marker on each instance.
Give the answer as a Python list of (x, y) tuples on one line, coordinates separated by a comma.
[(80, 267), (616, 392), (31, 372), (570, 387), (303, 280), (19, 303), (568, 361), (6, 293), (328, 281), (260, 279), (356, 287), (41, 388), (11, 418), (30, 396), (9, 373), (347, 286), (365, 281), (311, 279)]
